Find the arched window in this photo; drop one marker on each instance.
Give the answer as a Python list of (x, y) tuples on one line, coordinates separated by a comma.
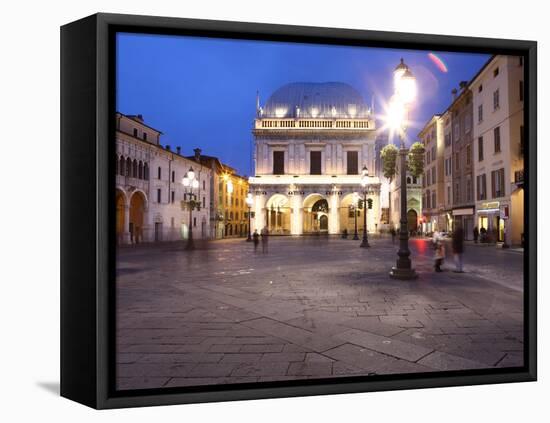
[(128, 167), (146, 171), (134, 169), (140, 170), (408, 179), (121, 166)]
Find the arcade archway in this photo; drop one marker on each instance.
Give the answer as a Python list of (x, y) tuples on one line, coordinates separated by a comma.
[(120, 202), (137, 216), (346, 213), (316, 214), (412, 220), (278, 215)]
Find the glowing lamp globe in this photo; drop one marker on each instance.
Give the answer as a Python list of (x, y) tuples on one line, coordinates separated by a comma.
[(406, 87), (396, 113)]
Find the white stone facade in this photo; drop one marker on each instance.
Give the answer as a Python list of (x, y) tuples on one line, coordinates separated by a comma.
[(311, 143)]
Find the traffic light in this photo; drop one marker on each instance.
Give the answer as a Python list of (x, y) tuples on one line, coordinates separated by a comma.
[(369, 203)]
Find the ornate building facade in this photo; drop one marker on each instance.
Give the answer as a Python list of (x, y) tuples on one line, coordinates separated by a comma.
[(149, 189), (312, 141)]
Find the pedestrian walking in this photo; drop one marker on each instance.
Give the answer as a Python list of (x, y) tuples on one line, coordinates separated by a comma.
[(256, 239), (392, 231), (265, 234), (476, 234), (483, 235), (439, 256), (458, 248)]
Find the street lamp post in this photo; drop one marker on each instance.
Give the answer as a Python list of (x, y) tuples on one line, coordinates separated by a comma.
[(249, 202), (364, 184), (355, 204), (190, 183), (405, 93)]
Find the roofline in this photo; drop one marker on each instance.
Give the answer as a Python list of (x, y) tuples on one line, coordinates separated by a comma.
[(435, 116), (141, 123), (468, 85), (471, 81)]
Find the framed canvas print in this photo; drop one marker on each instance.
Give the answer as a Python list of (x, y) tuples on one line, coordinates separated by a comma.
[(255, 211)]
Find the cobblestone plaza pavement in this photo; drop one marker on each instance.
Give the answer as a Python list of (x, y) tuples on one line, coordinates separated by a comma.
[(312, 307)]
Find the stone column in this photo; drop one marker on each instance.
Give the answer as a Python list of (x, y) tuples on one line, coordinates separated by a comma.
[(126, 229), (333, 219), (258, 208), (296, 221)]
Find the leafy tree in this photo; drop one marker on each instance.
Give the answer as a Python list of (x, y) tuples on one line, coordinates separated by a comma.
[(389, 161), (416, 159), (388, 154)]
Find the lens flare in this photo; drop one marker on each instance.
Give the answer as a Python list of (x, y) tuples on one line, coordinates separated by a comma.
[(438, 62)]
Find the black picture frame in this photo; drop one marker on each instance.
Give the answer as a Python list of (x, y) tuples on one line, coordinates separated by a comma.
[(87, 212)]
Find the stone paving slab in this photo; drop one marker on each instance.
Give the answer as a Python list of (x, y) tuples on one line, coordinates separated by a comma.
[(383, 344), (309, 309), (442, 361), (295, 335)]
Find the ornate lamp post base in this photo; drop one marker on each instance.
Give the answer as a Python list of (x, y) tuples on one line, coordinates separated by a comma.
[(190, 245), (365, 244), (355, 237), (403, 274)]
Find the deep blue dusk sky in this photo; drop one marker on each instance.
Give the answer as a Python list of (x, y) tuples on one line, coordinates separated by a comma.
[(201, 92)]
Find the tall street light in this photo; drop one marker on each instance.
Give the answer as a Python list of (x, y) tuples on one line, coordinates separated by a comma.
[(249, 201), (190, 184), (364, 184), (355, 203), (402, 100)]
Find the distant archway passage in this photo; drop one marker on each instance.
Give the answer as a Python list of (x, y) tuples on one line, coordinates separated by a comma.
[(323, 223), (315, 214), (137, 212), (412, 220), (120, 208)]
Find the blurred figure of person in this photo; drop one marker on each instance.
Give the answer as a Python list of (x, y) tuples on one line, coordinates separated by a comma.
[(392, 231), (458, 248), (345, 234), (483, 235), (265, 234), (439, 256), (436, 237), (476, 234), (256, 239)]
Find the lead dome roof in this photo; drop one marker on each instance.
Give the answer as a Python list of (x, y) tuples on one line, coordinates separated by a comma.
[(316, 100)]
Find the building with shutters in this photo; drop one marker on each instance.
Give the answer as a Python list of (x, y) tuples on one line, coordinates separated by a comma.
[(149, 189), (499, 148)]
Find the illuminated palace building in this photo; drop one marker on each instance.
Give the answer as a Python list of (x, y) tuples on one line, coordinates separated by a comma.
[(312, 142)]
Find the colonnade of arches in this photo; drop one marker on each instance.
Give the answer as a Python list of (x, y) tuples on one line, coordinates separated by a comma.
[(133, 168), (314, 213), (130, 216)]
